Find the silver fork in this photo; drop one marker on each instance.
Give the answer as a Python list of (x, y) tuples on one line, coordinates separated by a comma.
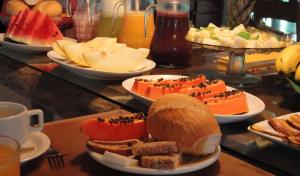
[(55, 159)]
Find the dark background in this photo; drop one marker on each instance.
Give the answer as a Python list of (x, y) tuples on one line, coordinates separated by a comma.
[(2, 27)]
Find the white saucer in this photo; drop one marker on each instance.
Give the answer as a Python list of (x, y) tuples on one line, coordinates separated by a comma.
[(198, 164), (40, 141)]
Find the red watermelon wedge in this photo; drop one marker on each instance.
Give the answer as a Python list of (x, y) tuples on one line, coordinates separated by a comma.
[(47, 33), (10, 25), (34, 24), (32, 27), (14, 24)]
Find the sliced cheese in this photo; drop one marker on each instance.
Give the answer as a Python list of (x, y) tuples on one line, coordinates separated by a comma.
[(119, 159)]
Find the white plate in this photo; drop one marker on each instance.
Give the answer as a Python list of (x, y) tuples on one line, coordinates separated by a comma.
[(24, 47), (40, 141), (203, 162), (255, 105), (147, 66), (265, 125)]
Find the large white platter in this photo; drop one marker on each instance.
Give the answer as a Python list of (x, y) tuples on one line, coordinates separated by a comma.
[(255, 105), (198, 164), (24, 47), (265, 125), (146, 67)]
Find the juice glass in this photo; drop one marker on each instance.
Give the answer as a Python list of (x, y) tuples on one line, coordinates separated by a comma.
[(132, 30), (104, 27), (9, 157), (168, 47)]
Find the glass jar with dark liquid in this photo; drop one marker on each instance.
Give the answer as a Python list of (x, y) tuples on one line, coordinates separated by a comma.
[(169, 48)]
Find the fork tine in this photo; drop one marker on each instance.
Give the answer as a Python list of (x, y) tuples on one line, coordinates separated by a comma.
[(61, 158), (57, 161), (50, 163)]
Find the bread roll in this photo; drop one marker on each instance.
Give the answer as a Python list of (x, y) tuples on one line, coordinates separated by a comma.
[(12, 7), (185, 120), (51, 8)]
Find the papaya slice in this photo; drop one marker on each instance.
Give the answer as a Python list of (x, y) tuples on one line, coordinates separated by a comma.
[(213, 86), (115, 129), (191, 80), (141, 86), (157, 90), (228, 103)]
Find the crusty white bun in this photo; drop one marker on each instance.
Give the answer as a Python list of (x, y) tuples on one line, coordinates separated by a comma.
[(12, 7), (51, 8), (185, 120)]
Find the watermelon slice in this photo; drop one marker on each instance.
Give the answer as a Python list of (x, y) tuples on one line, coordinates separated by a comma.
[(32, 27), (34, 24), (10, 25), (47, 33), (14, 24), (24, 24), (18, 28)]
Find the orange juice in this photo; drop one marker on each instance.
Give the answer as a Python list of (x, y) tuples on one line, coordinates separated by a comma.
[(132, 31), (9, 161)]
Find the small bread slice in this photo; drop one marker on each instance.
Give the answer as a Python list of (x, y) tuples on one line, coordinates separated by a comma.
[(171, 161), (154, 148), (120, 147)]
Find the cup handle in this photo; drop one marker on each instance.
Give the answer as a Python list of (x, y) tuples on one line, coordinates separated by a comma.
[(40, 115)]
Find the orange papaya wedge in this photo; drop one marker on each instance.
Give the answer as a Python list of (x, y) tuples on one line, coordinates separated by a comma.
[(213, 86), (228, 103), (141, 86), (115, 129), (157, 90)]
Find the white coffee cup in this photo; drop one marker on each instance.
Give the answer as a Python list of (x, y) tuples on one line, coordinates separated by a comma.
[(15, 121)]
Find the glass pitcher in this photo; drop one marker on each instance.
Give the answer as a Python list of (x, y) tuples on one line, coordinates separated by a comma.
[(104, 28), (85, 18), (168, 47), (132, 30)]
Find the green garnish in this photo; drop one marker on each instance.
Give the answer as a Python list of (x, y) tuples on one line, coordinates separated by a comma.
[(244, 35)]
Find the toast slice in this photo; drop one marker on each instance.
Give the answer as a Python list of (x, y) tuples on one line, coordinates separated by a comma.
[(154, 148), (171, 161), (120, 147)]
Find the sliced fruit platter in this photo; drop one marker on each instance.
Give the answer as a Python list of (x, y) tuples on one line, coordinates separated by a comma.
[(226, 103), (101, 58), (238, 37), (156, 144), (31, 30), (284, 129)]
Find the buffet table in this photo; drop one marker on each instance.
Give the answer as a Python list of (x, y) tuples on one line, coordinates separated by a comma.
[(63, 94)]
